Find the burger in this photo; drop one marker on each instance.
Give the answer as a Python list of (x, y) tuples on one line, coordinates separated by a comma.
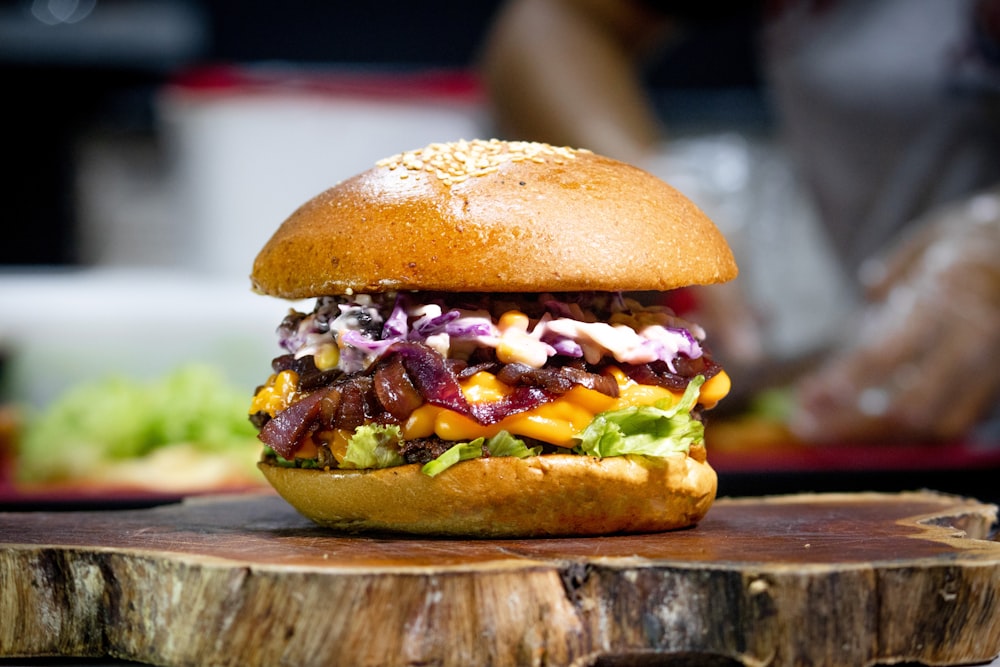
[(488, 353)]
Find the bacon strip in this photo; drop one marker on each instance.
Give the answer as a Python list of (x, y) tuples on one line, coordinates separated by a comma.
[(285, 431)]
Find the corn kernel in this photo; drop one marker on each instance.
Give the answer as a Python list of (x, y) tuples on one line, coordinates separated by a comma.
[(513, 319), (326, 357), (520, 348), (506, 353)]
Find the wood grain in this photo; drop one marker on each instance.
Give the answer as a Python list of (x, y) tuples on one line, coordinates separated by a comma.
[(835, 579)]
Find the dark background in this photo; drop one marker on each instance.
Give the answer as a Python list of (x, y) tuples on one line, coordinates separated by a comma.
[(100, 68)]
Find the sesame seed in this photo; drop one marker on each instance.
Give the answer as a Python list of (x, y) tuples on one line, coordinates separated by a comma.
[(456, 162)]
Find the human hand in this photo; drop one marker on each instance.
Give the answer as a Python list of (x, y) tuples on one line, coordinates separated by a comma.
[(924, 363)]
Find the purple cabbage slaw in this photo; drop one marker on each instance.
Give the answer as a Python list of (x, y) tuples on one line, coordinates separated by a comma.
[(365, 326)]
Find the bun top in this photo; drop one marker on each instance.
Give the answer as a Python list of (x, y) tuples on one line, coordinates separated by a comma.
[(494, 216)]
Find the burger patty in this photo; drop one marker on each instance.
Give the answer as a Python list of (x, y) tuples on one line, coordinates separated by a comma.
[(412, 374)]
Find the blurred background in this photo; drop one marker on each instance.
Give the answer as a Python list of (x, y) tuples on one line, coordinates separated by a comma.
[(170, 136), (153, 146)]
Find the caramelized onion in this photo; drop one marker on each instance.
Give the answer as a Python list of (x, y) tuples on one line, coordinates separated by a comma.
[(557, 380), (658, 372), (431, 376), (394, 389), (356, 399), (285, 431), (310, 377)]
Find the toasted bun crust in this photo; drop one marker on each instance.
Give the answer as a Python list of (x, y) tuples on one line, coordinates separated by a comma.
[(551, 495), (494, 216)]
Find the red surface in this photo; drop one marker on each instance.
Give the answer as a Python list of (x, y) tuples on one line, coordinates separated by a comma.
[(424, 84)]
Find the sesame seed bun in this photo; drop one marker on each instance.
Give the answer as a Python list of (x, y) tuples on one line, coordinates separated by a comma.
[(494, 216), (552, 495)]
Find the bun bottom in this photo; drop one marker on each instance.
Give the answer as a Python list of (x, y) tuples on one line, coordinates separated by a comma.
[(549, 495)]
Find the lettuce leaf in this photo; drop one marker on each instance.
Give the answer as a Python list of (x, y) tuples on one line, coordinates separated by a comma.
[(651, 430), (504, 444), (374, 446), (501, 444), (463, 451), (280, 460)]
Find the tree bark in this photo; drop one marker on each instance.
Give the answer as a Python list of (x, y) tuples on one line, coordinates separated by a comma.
[(833, 579)]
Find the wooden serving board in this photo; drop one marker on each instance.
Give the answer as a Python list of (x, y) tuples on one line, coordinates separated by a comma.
[(244, 580)]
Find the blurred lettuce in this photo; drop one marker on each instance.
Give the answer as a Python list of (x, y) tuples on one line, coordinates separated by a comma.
[(116, 419)]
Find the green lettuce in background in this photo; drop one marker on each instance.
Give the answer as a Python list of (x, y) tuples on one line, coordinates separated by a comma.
[(117, 418)]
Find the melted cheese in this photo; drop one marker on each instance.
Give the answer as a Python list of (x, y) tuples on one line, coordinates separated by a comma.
[(556, 422), (714, 390), (276, 394)]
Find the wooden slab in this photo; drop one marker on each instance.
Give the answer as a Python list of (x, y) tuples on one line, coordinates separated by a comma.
[(243, 580)]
